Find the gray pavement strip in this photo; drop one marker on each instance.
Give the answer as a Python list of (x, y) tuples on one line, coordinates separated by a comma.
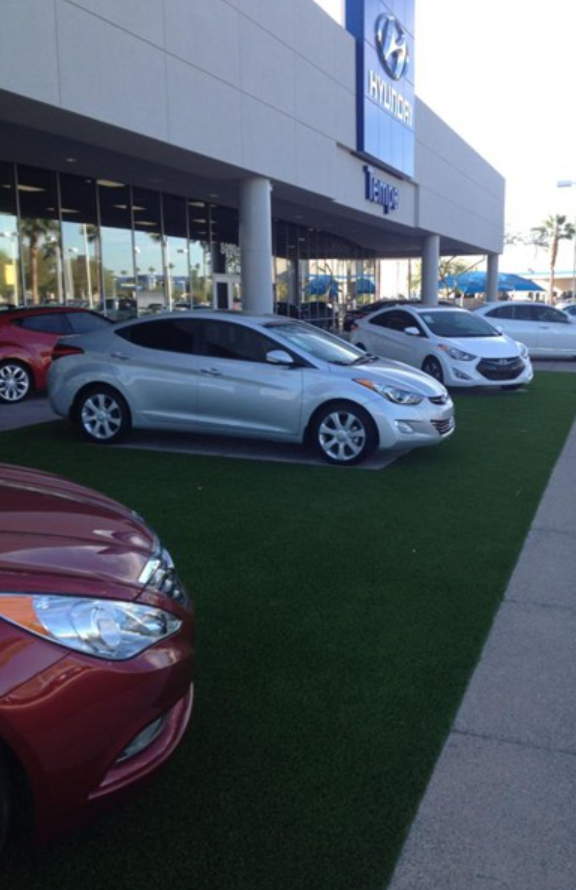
[(496, 815), (499, 809)]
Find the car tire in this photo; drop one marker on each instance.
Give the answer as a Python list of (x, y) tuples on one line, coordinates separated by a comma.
[(103, 415), (343, 434), (432, 366), (15, 381)]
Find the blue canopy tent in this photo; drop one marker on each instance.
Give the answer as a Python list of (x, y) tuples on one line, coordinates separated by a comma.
[(469, 283), (365, 286), (322, 285)]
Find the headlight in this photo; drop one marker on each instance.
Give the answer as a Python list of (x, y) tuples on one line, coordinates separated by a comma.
[(524, 352), (104, 628), (392, 393), (457, 354)]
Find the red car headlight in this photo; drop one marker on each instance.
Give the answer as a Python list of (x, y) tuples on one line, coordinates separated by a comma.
[(109, 629)]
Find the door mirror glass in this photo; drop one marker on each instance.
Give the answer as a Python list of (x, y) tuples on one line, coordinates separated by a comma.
[(279, 357)]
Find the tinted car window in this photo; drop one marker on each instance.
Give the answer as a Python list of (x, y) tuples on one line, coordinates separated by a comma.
[(167, 334), (46, 323), (447, 323), (82, 322), (395, 320), (548, 313), (501, 312), (234, 341)]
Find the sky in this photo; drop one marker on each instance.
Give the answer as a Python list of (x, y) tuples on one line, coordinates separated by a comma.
[(502, 74)]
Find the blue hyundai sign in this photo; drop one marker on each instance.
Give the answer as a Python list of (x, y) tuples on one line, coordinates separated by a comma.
[(384, 33)]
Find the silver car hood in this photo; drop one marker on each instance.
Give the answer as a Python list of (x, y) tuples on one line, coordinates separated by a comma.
[(390, 373)]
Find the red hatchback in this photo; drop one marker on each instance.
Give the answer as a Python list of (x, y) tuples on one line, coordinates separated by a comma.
[(96, 647), (27, 337)]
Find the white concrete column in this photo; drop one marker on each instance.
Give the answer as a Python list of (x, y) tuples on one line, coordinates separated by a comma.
[(256, 244), (430, 263), (492, 278)]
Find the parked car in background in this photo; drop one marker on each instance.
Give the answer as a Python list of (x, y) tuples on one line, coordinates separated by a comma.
[(545, 330), (353, 315), (234, 373), (318, 313), (569, 307), (97, 647), (119, 308), (451, 344), (26, 340)]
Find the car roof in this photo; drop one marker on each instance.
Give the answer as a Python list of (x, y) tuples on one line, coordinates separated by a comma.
[(11, 311), (418, 306)]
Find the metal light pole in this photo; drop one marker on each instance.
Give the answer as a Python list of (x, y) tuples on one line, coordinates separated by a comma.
[(568, 183)]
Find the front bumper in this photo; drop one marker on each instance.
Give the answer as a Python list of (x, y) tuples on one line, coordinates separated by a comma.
[(488, 372), (402, 427), (71, 719)]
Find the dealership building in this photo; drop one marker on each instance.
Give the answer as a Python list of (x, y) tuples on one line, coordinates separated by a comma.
[(226, 152)]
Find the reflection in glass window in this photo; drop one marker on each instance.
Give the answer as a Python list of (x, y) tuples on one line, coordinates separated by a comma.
[(118, 273), (80, 241), (177, 272), (148, 250), (10, 286), (200, 223), (40, 235)]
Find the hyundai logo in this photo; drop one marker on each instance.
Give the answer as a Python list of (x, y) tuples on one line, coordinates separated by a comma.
[(392, 46)]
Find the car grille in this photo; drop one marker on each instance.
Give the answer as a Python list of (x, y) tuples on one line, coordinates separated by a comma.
[(160, 574), (444, 426), (500, 368)]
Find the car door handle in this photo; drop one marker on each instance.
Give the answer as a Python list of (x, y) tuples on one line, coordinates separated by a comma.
[(121, 355), (210, 372)]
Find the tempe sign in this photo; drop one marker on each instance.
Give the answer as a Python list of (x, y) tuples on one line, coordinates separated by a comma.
[(380, 192), (385, 85)]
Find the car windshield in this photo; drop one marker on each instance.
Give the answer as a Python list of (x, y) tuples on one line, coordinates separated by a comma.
[(318, 344), (447, 323)]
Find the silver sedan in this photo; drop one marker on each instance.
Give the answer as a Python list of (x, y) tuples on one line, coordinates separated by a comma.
[(239, 374)]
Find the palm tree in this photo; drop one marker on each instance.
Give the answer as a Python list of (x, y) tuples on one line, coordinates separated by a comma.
[(549, 234), (39, 235)]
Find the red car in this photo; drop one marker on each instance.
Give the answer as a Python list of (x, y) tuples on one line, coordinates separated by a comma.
[(96, 648), (26, 340)]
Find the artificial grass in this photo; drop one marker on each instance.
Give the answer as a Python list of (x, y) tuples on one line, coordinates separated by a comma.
[(340, 614)]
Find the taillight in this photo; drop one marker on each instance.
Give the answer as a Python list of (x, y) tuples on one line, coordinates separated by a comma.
[(62, 349), (353, 326)]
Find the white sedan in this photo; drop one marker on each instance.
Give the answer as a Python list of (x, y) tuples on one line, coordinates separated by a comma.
[(546, 331), (451, 344)]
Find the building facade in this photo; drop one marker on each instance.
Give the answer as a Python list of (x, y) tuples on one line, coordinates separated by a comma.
[(159, 153)]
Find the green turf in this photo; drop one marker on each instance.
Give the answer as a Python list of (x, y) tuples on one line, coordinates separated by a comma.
[(340, 614)]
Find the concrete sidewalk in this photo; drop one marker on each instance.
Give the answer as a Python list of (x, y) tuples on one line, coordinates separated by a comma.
[(500, 809)]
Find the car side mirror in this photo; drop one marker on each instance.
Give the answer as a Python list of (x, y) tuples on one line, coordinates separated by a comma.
[(279, 357), (412, 331)]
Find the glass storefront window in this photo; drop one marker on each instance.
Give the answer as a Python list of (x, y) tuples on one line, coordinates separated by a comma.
[(200, 223), (118, 272), (80, 241), (10, 284), (149, 252), (177, 271), (40, 235)]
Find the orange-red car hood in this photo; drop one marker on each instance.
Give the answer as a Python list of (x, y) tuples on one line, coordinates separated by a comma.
[(56, 536)]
